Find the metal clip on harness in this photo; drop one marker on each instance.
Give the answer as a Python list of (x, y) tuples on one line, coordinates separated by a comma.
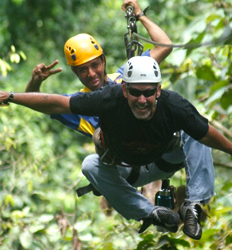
[(132, 44)]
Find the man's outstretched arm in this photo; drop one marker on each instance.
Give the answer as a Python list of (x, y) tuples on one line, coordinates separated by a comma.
[(41, 102)]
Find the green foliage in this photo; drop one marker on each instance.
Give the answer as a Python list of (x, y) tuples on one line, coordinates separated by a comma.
[(40, 160), (13, 57)]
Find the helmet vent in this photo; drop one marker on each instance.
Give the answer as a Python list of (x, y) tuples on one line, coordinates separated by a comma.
[(94, 43), (155, 70), (129, 73), (72, 52), (73, 57), (70, 49)]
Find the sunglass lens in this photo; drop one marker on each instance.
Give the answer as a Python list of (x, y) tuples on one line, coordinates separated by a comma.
[(137, 93), (149, 92), (134, 92)]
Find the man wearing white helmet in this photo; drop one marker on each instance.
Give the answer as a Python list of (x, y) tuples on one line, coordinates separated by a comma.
[(138, 121)]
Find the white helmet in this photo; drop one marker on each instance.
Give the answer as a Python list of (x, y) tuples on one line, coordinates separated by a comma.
[(141, 69)]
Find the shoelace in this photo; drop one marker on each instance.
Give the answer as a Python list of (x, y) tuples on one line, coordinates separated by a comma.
[(195, 212)]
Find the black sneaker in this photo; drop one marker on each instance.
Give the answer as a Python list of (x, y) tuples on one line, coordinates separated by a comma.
[(165, 217), (190, 213)]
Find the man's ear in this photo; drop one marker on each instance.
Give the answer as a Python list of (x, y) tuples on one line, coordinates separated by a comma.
[(158, 93), (124, 90), (103, 58)]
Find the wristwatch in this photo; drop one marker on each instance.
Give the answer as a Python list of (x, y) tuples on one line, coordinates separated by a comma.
[(10, 98)]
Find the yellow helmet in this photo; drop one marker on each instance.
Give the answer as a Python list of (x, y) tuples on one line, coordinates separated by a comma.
[(81, 49)]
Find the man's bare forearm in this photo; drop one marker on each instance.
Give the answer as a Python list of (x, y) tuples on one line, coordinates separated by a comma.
[(41, 102), (159, 53), (33, 86), (216, 140)]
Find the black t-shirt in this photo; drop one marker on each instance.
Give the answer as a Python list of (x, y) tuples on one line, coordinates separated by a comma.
[(139, 142)]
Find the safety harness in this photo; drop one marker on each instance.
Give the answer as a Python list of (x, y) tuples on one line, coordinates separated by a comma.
[(109, 159)]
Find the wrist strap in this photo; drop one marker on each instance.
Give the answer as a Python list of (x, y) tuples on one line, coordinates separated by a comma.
[(143, 13), (139, 15), (10, 98)]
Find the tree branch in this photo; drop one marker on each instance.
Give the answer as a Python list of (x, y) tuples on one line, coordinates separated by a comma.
[(224, 165)]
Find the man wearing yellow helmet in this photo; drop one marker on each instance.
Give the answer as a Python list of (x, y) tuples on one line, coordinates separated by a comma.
[(85, 56), (87, 60)]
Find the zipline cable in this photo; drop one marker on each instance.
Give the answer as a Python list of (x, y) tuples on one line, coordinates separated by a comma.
[(226, 36)]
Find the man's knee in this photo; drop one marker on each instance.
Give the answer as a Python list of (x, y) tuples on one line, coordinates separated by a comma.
[(88, 165)]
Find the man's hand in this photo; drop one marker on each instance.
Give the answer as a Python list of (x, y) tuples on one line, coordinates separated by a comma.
[(3, 97), (40, 73), (134, 4)]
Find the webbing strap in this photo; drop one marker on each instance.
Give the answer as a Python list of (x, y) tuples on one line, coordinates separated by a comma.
[(86, 189), (133, 176), (167, 166)]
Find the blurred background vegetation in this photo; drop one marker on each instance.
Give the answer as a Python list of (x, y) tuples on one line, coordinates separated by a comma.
[(40, 160)]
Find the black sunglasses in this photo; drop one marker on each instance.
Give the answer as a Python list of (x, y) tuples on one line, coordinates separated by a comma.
[(137, 93)]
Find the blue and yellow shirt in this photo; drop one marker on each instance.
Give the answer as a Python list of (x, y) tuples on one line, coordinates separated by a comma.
[(85, 124)]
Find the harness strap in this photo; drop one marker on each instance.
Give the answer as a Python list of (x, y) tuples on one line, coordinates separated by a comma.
[(167, 166), (86, 189), (134, 175), (106, 156)]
